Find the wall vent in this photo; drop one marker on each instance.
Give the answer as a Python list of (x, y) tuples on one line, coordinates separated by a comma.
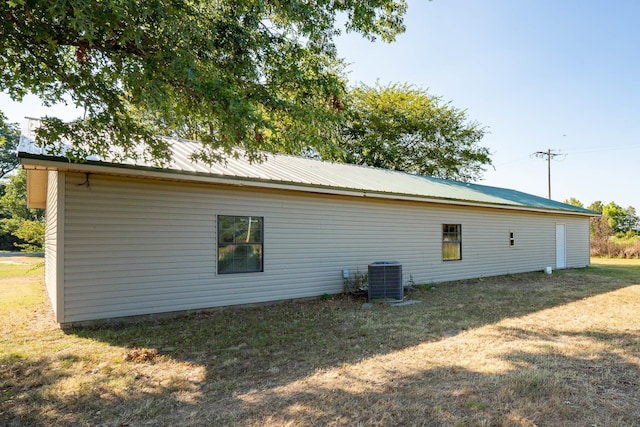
[(385, 280)]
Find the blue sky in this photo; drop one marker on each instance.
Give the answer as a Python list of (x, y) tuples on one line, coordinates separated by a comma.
[(561, 75), (541, 74)]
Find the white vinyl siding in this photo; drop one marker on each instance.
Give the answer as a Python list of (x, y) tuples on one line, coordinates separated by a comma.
[(54, 221), (135, 246), (578, 242)]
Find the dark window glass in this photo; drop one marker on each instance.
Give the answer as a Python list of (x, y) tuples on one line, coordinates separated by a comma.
[(240, 242)]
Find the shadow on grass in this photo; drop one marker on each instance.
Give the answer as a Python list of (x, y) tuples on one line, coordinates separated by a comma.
[(544, 387), (30, 387), (264, 365)]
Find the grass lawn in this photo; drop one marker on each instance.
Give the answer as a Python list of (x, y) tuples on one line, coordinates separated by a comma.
[(520, 350)]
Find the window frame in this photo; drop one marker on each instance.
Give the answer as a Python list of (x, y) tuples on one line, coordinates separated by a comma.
[(446, 232), (247, 243)]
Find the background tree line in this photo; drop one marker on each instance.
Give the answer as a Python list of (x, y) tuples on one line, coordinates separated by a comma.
[(20, 228), (616, 233)]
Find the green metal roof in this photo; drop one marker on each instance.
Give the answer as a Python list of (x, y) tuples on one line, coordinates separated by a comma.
[(309, 174)]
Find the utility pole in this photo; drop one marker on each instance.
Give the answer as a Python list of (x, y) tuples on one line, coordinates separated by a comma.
[(549, 154)]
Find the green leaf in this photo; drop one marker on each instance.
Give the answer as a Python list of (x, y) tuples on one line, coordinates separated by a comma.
[(223, 72), (404, 128)]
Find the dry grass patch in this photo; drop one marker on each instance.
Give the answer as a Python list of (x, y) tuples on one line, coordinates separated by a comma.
[(518, 350)]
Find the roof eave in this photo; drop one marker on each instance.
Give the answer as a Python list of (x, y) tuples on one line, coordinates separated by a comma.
[(34, 161)]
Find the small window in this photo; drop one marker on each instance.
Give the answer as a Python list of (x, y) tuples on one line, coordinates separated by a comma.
[(451, 242), (240, 241), (512, 240)]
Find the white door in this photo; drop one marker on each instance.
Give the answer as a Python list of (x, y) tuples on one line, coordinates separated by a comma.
[(561, 246)]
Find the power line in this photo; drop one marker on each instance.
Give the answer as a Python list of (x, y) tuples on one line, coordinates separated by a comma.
[(590, 150), (549, 155)]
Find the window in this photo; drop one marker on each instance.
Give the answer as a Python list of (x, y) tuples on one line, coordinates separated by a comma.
[(512, 240), (240, 241), (451, 242)]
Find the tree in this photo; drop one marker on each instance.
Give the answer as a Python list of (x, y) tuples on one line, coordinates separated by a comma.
[(622, 221), (574, 202), (596, 206), (402, 127), (255, 74), (25, 224), (614, 233), (629, 223), (614, 215), (9, 138)]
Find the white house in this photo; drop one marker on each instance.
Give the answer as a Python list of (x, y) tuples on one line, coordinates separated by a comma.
[(129, 239)]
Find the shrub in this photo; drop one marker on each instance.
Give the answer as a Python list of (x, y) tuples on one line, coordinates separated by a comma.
[(615, 247), (357, 284), (30, 233)]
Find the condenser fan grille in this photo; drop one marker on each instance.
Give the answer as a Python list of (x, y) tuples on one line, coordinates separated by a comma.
[(385, 280)]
